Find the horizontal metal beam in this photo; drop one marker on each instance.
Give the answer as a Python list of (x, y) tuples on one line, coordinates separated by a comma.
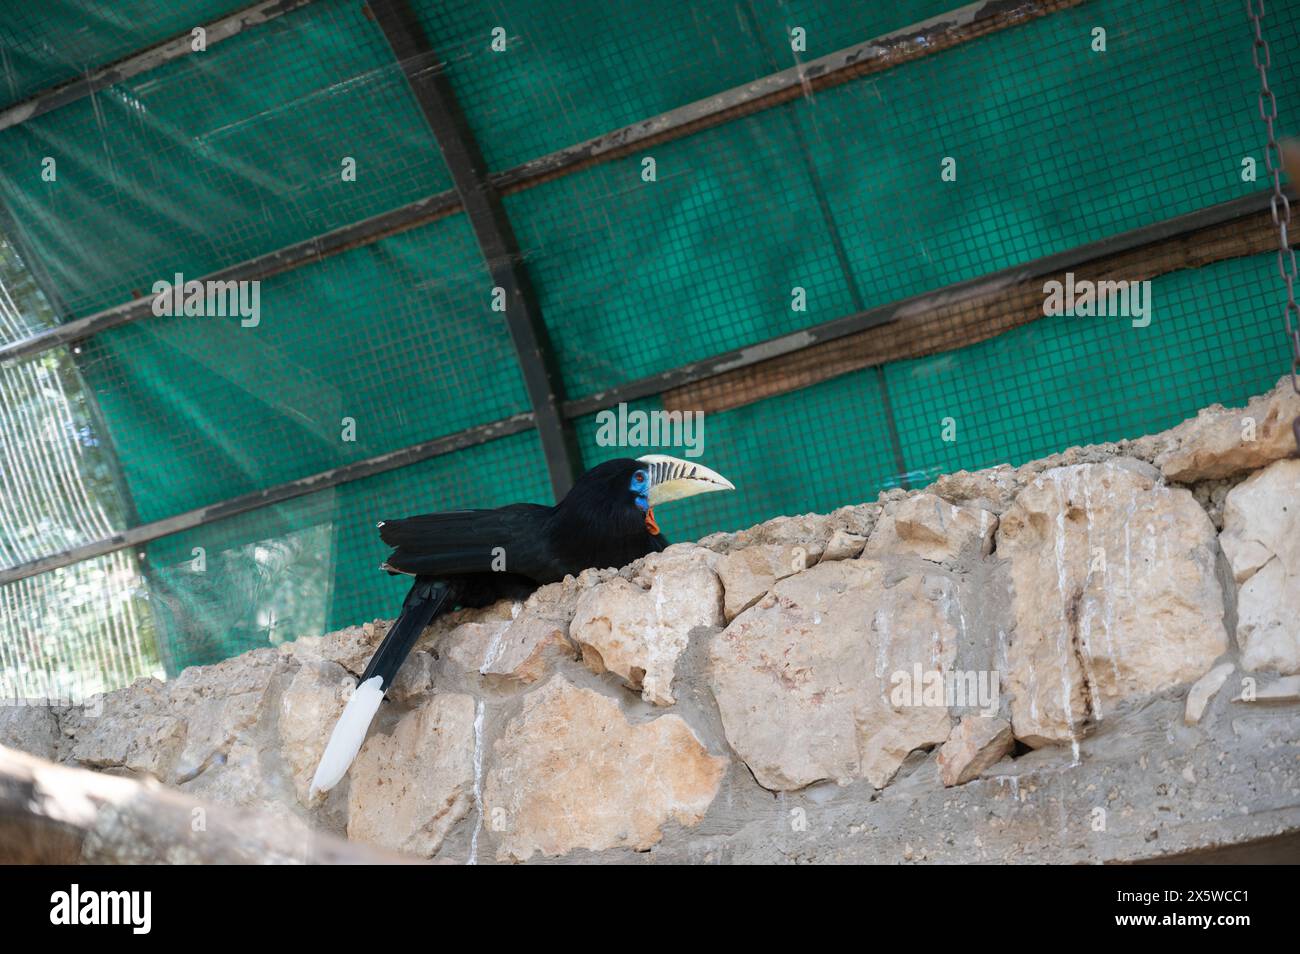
[(137, 63), (655, 384), (884, 52), (137, 536)]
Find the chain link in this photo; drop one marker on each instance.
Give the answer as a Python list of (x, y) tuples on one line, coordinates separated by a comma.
[(1280, 204)]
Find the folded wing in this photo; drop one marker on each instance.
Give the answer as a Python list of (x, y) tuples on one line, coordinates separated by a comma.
[(510, 538)]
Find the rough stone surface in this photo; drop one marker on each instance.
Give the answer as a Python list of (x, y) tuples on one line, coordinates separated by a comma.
[(471, 646), (1103, 601), (222, 705), (309, 708), (408, 789), (1203, 690), (748, 574), (637, 628), (975, 744), (528, 649), (571, 772), (1115, 595), (927, 526), (351, 648), (844, 545), (30, 728), (803, 679), (1261, 539), (1222, 442), (994, 489), (135, 732)]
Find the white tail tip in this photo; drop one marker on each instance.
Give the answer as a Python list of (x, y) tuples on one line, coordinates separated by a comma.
[(349, 733)]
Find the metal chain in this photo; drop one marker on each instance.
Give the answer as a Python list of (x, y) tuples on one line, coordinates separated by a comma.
[(1281, 205)]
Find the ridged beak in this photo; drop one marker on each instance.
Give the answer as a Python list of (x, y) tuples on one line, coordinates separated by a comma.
[(672, 479)]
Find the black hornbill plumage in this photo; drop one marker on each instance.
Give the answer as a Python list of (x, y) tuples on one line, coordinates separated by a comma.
[(475, 557)]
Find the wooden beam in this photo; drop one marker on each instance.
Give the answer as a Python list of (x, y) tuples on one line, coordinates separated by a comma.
[(952, 320), (52, 814)]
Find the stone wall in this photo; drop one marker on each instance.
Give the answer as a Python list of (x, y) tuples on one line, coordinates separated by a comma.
[(1092, 657)]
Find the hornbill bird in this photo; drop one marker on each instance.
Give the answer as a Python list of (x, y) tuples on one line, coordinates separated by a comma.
[(475, 557)]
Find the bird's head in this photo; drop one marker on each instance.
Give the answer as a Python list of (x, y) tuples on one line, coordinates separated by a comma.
[(634, 487)]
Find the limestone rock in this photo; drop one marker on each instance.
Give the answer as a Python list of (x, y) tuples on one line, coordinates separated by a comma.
[(805, 680), (309, 707), (856, 519), (1114, 594), (135, 731), (1218, 441), (995, 487), (30, 728), (976, 743), (527, 648), (809, 530), (351, 647), (637, 628), (1203, 690), (220, 705), (470, 645), (408, 789), (1261, 539), (844, 545), (414, 679), (930, 527), (570, 772), (748, 574)]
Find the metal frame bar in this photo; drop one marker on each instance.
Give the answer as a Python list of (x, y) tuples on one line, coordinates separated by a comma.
[(136, 536), (135, 64), (647, 387), (428, 80)]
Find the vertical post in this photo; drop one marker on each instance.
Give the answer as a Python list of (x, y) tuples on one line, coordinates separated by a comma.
[(433, 91)]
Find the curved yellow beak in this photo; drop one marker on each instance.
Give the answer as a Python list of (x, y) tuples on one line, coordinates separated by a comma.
[(672, 479)]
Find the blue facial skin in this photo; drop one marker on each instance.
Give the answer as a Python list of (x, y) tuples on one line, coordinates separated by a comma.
[(640, 485)]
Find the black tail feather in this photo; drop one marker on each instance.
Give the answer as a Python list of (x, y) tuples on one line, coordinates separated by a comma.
[(425, 599)]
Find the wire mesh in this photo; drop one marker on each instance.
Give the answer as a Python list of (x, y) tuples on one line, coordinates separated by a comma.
[(755, 227)]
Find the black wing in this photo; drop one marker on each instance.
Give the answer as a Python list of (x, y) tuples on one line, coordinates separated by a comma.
[(509, 539)]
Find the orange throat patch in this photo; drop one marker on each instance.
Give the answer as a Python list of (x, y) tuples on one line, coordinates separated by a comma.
[(650, 521)]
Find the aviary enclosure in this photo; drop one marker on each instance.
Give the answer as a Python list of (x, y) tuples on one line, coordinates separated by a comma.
[(843, 247)]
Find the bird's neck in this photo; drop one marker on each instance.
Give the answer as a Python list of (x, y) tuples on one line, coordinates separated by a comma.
[(597, 533)]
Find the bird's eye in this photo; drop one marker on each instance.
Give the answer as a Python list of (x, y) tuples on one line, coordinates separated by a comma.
[(638, 480)]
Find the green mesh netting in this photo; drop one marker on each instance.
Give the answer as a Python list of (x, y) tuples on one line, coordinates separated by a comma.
[(223, 156)]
